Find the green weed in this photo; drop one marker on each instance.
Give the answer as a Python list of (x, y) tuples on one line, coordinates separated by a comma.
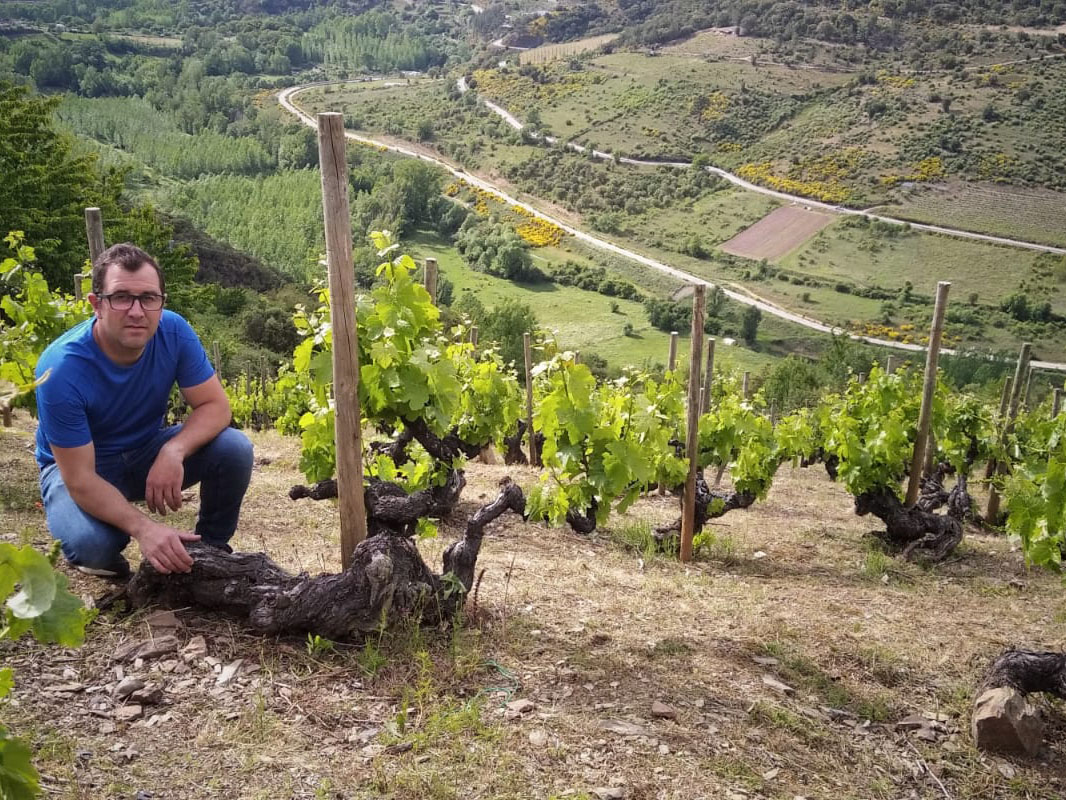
[(781, 718)]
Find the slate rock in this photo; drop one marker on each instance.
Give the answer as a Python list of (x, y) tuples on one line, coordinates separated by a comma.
[(163, 619), (1005, 721), (129, 713), (663, 711), (150, 695), (523, 706), (128, 686)]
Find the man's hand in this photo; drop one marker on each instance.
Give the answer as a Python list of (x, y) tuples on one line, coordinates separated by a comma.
[(164, 547), (163, 486)]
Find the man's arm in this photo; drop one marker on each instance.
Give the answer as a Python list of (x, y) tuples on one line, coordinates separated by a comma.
[(210, 416), (160, 544)]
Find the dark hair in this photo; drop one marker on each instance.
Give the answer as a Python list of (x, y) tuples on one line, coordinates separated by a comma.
[(127, 256)]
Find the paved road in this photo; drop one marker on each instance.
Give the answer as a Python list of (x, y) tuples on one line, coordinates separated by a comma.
[(285, 98)]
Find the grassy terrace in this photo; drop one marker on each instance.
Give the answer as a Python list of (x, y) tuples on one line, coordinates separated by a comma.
[(583, 320)]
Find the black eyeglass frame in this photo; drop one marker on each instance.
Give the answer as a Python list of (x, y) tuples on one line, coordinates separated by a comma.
[(135, 298)]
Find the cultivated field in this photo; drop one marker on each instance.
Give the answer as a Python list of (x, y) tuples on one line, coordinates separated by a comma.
[(714, 218), (778, 233), (553, 52), (848, 251), (718, 43), (783, 659), (1036, 215)]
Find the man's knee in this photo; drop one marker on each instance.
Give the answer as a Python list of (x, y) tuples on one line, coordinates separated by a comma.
[(84, 540), (232, 450)]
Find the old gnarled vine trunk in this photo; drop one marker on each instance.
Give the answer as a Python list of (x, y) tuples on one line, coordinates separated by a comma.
[(710, 504), (387, 580), (911, 529)]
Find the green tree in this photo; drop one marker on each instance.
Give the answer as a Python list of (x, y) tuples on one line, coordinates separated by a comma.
[(749, 324), (46, 186), (505, 324), (298, 149)]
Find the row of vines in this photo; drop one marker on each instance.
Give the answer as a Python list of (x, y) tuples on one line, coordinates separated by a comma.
[(601, 444)]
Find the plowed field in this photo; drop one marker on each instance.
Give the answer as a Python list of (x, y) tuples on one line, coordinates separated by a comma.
[(779, 232)]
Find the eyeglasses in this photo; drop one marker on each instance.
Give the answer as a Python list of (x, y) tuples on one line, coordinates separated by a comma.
[(123, 301)]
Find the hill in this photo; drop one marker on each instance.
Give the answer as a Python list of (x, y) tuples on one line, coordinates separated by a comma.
[(785, 660)]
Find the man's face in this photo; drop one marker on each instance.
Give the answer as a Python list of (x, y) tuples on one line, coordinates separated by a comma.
[(122, 334)]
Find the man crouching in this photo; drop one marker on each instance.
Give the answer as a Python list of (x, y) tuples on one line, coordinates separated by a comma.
[(101, 439)]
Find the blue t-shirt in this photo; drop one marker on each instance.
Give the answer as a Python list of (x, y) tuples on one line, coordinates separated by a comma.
[(90, 398)]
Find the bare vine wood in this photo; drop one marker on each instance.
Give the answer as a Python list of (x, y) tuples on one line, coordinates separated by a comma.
[(387, 580)]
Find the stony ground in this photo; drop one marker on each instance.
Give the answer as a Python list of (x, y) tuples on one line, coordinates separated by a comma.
[(778, 665)]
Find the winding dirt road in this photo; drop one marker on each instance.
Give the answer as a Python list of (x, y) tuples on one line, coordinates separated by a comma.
[(285, 98)]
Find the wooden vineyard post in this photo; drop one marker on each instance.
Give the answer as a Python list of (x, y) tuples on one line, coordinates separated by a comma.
[(925, 416), (527, 351), (671, 362), (1004, 399), (889, 363), (473, 335), (348, 434), (5, 412), (688, 510), (94, 234), (1056, 403), (930, 454), (431, 279), (992, 509), (577, 357), (705, 400), (1028, 388), (745, 386)]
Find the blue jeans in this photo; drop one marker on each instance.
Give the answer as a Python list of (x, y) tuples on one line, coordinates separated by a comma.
[(222, 467)]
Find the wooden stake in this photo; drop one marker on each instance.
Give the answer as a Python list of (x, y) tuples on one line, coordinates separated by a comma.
[(333, 162), (473, 335), (773, 413), (688, 502), (94, 232), (5, 412), (1056, 403), (930, 454), (527, 351), (1028, 388), (431, 279), (889, 363), (992, 509), (1004, 399), (705, 402), (671, 363), (861, 378), (577, 357), (745, 386), (925, 416)]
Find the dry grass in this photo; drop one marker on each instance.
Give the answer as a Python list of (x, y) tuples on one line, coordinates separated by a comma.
[(592, 630), (553, 52)]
